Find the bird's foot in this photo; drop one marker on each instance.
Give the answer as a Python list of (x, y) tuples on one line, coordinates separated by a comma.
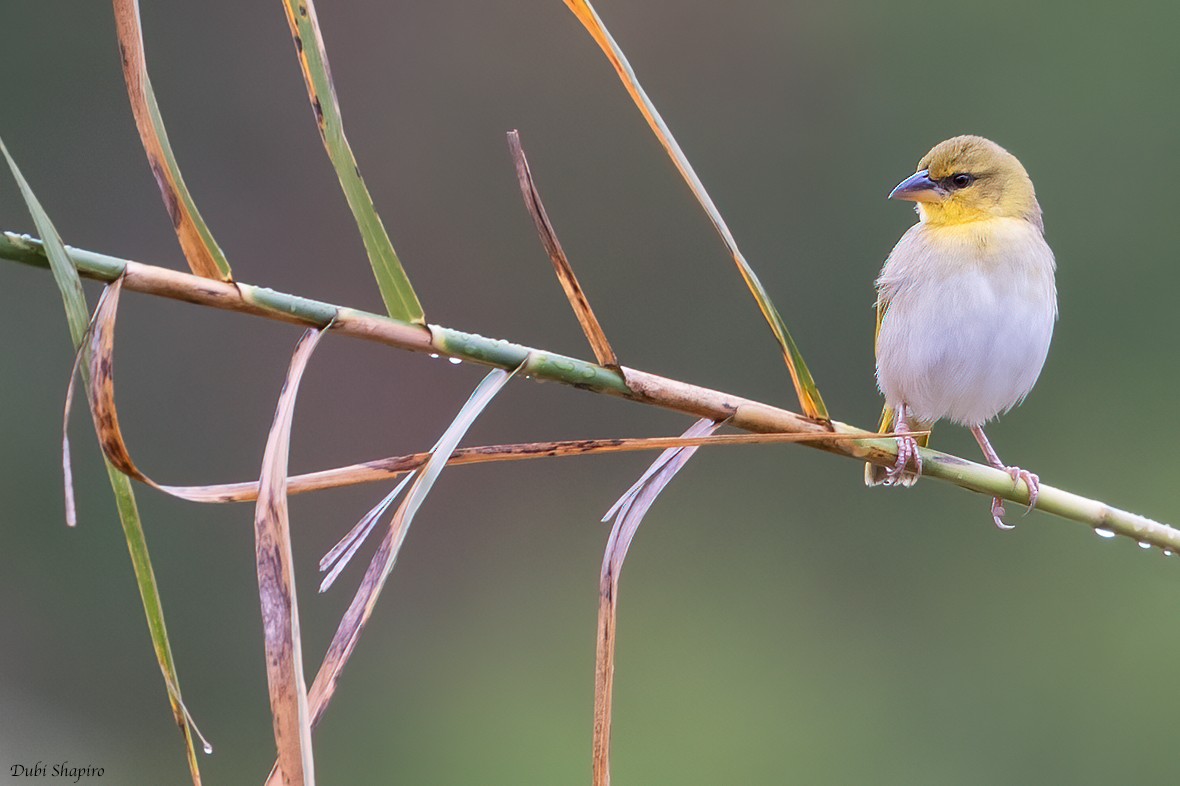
[(1034, 490), (907, 453)]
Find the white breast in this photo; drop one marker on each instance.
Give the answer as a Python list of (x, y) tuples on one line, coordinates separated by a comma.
[(970, 317)]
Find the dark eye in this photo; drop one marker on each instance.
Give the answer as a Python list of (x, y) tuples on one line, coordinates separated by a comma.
[(962, 180)]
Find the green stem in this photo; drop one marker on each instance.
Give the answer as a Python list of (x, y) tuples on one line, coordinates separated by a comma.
[(626, 383)]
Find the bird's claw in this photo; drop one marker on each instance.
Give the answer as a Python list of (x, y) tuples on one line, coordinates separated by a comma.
[(1031, 480), (1034, 490), (907, 453), (998, 514)]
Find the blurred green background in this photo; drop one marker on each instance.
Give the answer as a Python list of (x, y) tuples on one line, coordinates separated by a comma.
[(779, 622)]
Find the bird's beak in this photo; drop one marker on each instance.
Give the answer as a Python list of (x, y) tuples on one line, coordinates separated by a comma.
[(918, 187)]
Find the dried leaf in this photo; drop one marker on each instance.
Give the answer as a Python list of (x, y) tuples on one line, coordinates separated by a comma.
[(200, 249), (276, 586), (400, 299), (342, 553), (392, 466), (809, 397), (349, 630), (561, 265), (77, 315), (67, 464), (628, 512)]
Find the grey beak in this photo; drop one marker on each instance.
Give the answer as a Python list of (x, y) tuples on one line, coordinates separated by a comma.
[(918, 187)]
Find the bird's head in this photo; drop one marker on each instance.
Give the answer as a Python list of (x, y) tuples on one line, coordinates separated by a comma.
[(969, 178)]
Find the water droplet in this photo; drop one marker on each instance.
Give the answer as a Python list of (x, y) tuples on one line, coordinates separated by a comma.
[(1144, 544), (454, 361), (434, 355), (587, 373), (1167, 552), (208, 749), (1104, 533)]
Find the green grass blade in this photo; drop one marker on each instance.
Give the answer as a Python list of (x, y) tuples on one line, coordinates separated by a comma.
[(149, 593), (200, 249), (64, 273), (809, 397), (77, 314), (400, 299)]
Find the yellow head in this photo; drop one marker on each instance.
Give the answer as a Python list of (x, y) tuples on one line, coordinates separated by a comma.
[(969, 178)]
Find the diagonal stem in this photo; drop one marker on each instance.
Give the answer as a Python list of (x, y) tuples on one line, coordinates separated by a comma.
[(632, 384)]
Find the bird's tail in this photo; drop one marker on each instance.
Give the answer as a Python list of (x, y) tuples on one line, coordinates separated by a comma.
[(875, 475)]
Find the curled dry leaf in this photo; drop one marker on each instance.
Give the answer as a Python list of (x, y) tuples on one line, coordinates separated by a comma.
[(809, 398), (200, 249), (101, 394), (628, 513), (276, 586), (561, 264), (98, 352)]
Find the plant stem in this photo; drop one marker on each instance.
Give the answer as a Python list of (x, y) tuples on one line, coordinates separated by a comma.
[(626, 383)]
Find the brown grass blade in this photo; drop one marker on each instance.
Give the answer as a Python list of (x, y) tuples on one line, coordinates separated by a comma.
[(349, 630), (809, 398), (100, 394), (276, 586), (99, 347), (200, 249), (393, 466), (629, 512), (561, 264), (101, 389), (67, 464)]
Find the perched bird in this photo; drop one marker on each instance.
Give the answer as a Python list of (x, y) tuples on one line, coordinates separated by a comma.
[(966, 303)]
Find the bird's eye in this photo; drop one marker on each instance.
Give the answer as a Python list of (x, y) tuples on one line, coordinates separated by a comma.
[(962, 180)]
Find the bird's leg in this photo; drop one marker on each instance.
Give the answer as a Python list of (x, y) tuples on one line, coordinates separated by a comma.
[(907, 450), (1016, 473)]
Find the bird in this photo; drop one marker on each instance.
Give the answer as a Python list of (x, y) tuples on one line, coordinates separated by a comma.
[(966, 305)]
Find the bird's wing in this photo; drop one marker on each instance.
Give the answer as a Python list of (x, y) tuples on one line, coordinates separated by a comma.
[(882, 305), (874, 475)]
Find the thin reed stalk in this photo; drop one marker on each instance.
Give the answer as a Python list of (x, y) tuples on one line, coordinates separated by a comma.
[(632, 384)]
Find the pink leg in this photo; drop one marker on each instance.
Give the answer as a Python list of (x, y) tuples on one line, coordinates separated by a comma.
[(907, 451), (1016, 473)]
